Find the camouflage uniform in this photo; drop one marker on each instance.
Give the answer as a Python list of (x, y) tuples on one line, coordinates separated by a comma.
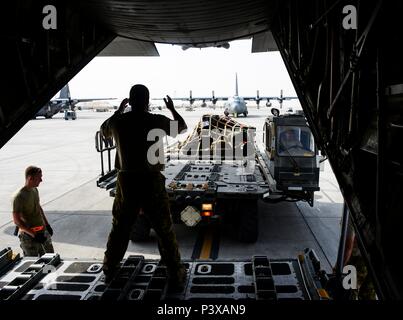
[(150, 194), (139, 186), (32, 248), (26, 202)]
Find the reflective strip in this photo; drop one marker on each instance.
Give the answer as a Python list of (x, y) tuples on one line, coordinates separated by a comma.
[(37, 229), (323, 294)]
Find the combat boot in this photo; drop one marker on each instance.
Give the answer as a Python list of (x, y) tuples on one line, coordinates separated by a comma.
[(109, 274)]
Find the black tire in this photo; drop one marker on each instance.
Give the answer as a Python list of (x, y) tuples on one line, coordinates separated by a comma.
[(248, 227), (141, 229)]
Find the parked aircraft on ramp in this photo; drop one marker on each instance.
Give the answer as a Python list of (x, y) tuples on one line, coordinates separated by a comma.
[(235, 105), (62, 103)]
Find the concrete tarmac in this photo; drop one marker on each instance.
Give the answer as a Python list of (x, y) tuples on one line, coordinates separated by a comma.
[(80, 212)]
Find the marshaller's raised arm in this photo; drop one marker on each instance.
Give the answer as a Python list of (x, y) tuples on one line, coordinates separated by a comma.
[(170, 106), (106, 125)]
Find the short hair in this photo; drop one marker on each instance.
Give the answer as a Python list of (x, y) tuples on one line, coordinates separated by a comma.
[(32, 171), (139, 96)]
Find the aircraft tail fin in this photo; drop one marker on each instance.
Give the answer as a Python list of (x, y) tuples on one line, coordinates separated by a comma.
[(65, 92)]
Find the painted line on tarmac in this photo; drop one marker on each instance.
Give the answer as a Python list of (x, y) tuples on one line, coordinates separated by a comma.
[(207, 243)]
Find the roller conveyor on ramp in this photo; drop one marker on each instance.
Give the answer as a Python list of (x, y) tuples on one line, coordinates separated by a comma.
[(258, 278)]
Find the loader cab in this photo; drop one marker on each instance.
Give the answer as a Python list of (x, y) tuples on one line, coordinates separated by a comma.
[(70, 114), (295, 140), (293, 156)]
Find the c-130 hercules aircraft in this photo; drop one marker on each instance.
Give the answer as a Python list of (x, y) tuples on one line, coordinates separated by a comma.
[(235, 105), (63, 103)]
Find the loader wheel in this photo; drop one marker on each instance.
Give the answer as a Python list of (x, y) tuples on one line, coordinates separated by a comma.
[(141, 229), (248, 227)]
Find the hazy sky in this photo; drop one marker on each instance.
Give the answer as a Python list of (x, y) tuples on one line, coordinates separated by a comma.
[(177, 71)]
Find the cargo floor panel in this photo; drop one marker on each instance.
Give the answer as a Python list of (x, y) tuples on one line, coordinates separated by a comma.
[(259, 278)]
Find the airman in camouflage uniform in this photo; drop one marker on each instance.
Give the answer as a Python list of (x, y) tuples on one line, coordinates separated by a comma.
[(35, 231), (140, 186)]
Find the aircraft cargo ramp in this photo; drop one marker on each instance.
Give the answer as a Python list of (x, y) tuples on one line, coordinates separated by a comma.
[(260, 278)]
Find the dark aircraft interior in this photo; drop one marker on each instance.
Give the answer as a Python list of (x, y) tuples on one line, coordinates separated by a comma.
[(348, 78)]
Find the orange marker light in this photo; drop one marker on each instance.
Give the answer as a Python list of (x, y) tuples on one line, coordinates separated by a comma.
[(207, 213)]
